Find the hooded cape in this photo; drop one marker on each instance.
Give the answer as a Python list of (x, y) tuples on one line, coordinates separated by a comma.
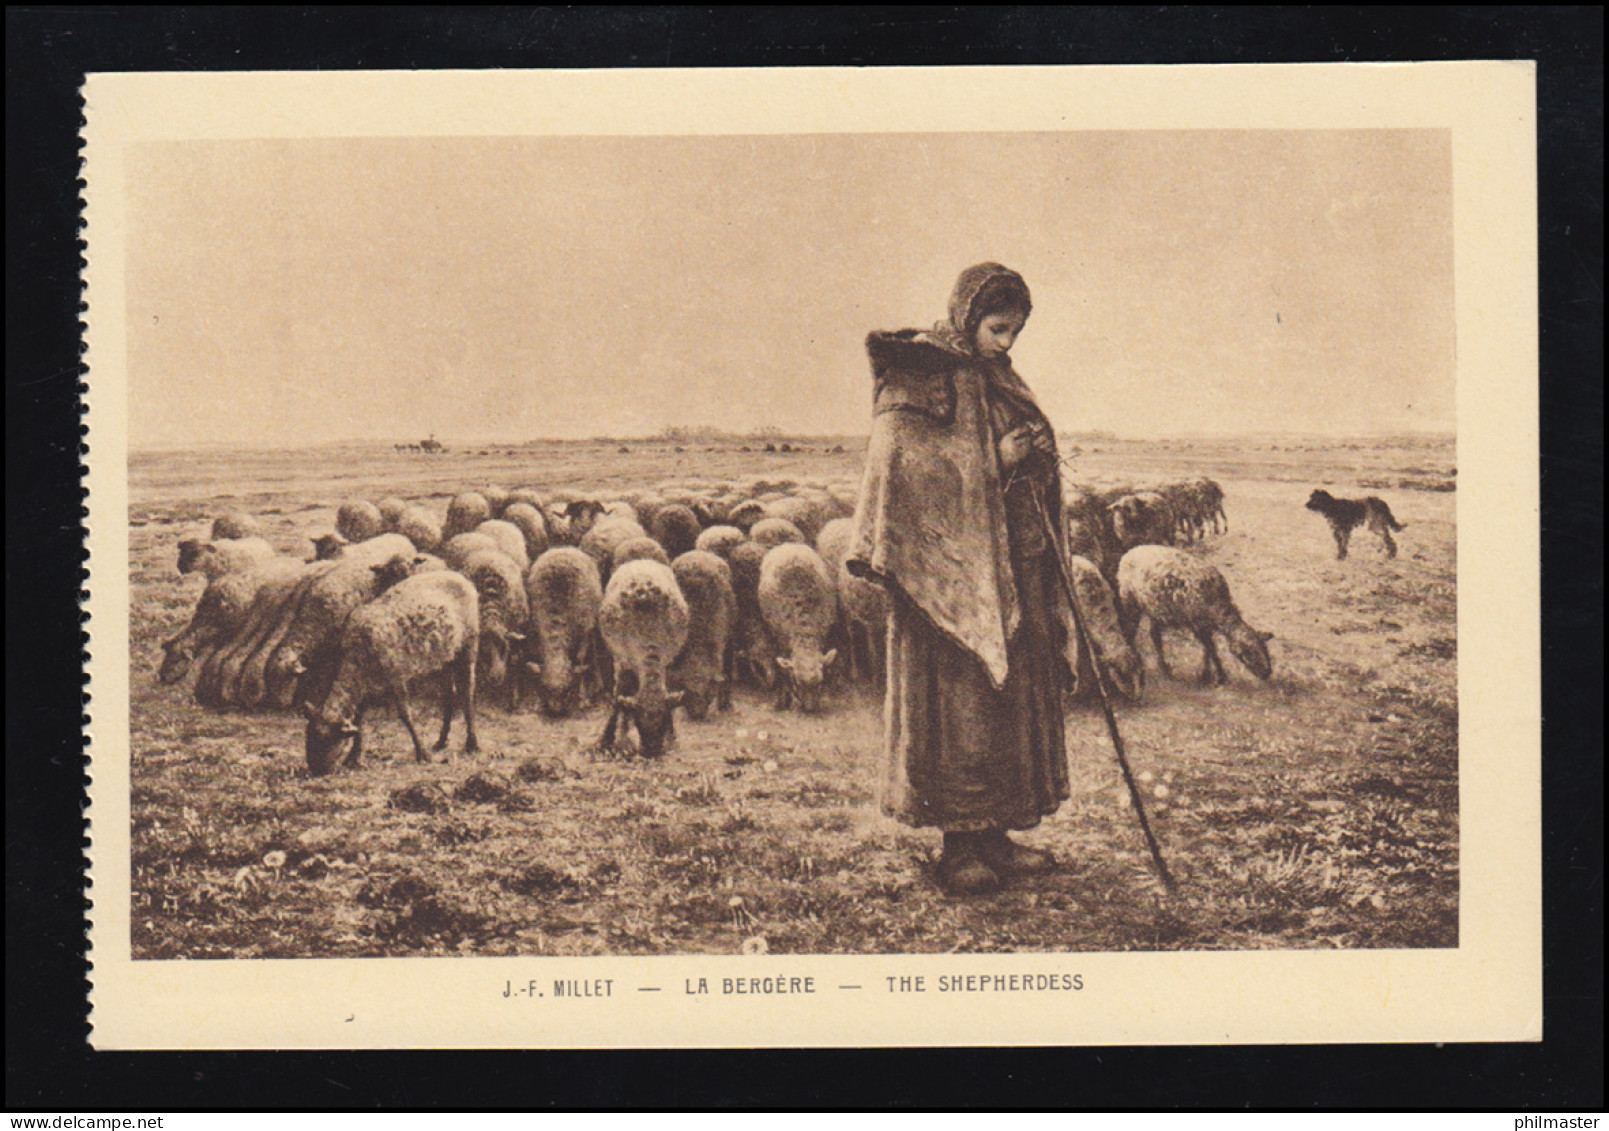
[(930, 523)]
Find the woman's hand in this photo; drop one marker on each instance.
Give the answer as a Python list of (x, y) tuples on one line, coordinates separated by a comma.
[(1015, 445), (1018, 444), (1044, 442)]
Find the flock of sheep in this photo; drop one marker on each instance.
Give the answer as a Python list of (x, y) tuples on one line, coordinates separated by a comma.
[(659, 600)]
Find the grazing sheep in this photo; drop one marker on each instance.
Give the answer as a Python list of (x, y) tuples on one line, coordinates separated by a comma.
[(702, 670), (246, 684), (382, 548), (563, 591), (703, 511), (620, 508), (832, 542), (532, 526), (643, 621), (675, 527), (527, 496), (458, 548), (644, 509), (807, 516), (391, 509), (637, 549), (720, 540), (773, 532), (236, 525), (222, 555), (423, 625), (500, 581), (1106, 496), (310, 632), (496, 498), (600, 540), (862, 604), (1211, 501), (220, 614), (421, 528), (1089, 536), (798, 598), (745, 514), (1175, 590), (510, 539), (1105, 628), (720, 510), (358, 520), (580, 517), (1187, 522), (467, 511), (403, 566), (865, 612), (218, 684), (1142, 519), (755, 652)]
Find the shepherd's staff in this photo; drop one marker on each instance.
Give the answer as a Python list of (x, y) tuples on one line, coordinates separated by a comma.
[(1088, 648)]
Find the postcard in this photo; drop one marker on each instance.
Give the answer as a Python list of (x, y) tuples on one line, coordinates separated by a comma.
[(813, 557)]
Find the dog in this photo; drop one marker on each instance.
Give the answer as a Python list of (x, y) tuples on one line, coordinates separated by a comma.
[(1346, 515)]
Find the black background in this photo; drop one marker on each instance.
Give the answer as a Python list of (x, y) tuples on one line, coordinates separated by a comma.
[(49, 1065)]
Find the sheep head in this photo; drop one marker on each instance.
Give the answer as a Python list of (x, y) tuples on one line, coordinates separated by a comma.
[(1125, 673), (807, 669), (558, 685), (193, 554), (653, 717), (329, 739), (328, 547), (1250, 647), (177, 655)]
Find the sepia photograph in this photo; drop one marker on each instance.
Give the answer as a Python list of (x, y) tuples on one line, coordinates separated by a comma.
[(1002, 544)]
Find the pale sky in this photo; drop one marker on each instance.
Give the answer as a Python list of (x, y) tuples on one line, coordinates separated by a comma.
[(503, 289)]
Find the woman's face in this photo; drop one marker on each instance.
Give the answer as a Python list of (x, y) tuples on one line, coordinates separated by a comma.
[(997, 333)]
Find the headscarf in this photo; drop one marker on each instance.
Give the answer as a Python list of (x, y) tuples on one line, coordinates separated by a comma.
[(983, 289)]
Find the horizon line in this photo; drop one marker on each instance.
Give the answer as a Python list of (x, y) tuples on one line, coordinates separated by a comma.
[(1099, 435)]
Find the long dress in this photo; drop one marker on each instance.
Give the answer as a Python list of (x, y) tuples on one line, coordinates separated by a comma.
[(961, 755)]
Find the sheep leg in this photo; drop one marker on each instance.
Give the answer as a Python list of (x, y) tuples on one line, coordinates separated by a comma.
[(1156, 642), (1212, 668), (356, 755), (399, 696), (516, 683), (449, 700), (466, 686), (1342, 536), (605, 666), (723, 697), (606, 743)]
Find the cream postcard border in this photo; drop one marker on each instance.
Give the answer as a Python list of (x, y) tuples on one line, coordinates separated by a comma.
[(1488, 988)]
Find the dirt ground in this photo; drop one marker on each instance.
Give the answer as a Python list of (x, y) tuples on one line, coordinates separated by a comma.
[(1319, 809)]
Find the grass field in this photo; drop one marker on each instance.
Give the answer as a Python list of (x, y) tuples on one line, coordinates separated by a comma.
[(1319, 809)]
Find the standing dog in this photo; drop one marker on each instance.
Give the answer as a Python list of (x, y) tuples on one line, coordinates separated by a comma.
[(1346, 515)]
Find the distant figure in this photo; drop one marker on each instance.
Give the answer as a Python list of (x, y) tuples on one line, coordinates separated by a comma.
[(961, 478), (1346, 515)]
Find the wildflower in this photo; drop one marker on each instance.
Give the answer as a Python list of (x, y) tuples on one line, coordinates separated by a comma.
[(274, 859), (756, 944)]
